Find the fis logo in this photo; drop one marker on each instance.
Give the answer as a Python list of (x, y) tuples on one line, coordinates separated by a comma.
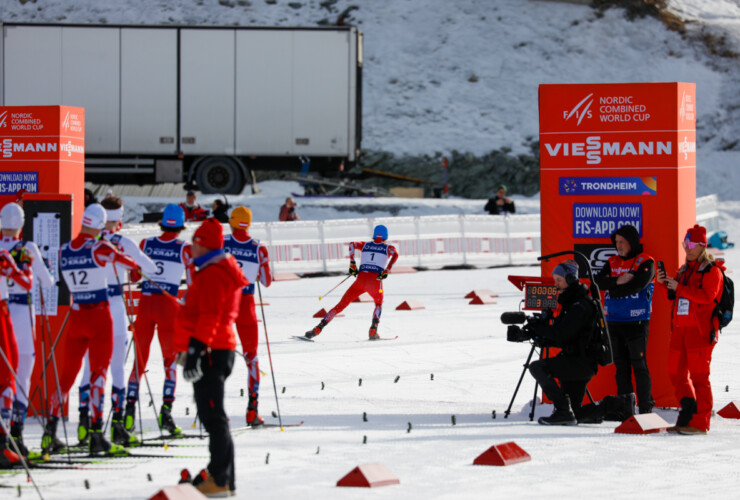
[(581, 110), (65, 122), (4, 119)]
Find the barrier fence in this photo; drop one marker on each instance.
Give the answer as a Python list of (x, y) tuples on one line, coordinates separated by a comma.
[(432, 241)]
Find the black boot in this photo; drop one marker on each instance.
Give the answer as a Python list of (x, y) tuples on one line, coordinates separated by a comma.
[(118, 432), (685, 414), (619, 408), (563, 415), (50, 443), (315, 330), (167, 422), (16, 433), (100, 445), (129, 417), (83, 428)]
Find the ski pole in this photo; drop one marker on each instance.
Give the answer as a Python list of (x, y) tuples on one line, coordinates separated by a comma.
[(156, 285), (54, 345), (269, 356), (327, 293), (136, 359), (6, 430), (59, 387), (136, 366)]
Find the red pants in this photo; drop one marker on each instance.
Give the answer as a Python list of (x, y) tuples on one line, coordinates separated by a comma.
[(246, 327), (689, 358), (89, 329), (365, 282), (155, 311), (9, 347), (158, 311)]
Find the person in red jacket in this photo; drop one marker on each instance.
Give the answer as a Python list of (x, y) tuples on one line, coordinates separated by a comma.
[(693, 331), (193, 210), (206, 333)]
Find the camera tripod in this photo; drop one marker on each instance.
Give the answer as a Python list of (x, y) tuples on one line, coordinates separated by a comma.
[(521, 377)]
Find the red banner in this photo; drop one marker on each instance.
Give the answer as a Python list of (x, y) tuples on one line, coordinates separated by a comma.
[(615, 154)]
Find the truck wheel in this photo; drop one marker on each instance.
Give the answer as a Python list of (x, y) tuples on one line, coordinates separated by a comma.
[(219, 175)]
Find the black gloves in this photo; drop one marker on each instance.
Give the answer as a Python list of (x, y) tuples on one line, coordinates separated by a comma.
[(352, 268), (193, 370)]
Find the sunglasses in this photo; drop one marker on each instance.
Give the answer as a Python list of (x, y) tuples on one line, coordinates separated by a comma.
[(691, 244)]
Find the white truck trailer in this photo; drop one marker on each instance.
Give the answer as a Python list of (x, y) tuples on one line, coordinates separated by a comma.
[(200, 105)]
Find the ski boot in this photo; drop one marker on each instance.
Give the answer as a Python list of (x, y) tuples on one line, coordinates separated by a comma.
[(167, 422), (316, 330), (209, 488), (50, 443), (8, 458), (16, 433), (129, 417), (253, 418), (373, 333), (563, 415), (99, 445), (83, 429), (118, 432)]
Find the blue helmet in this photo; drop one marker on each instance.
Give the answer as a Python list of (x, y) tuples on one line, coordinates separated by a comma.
[(381, 232), (173, 217)]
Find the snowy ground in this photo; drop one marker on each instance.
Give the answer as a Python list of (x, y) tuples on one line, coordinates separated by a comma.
[(474, 373)]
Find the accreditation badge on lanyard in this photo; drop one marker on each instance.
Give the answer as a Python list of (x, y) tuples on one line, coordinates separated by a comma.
[(683, 307)]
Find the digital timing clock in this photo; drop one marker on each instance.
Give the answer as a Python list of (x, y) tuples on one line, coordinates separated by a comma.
[(538, 296)]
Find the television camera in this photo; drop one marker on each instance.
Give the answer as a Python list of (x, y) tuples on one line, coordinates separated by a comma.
[(516, 333)]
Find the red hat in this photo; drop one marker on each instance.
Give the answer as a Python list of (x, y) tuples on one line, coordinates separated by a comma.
[(697, 234), (210, 234)]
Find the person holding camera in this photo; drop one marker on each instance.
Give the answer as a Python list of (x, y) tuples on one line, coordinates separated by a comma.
[(627, 279), (694, 292), (572, 331)]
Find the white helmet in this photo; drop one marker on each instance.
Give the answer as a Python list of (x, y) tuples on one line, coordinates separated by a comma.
[(12, 216), (94, 216)]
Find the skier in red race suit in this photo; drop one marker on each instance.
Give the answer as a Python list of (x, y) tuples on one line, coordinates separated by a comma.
[(20, 276), (254, 261), (376, 260), (158, 308), (83, 264), (205, 332), (694, 331)]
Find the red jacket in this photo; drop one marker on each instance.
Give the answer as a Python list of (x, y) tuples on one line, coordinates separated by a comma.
[(212, 305), (698, 287), (194, 213)]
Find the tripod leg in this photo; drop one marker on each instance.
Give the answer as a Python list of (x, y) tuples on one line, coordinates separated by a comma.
[(521, 377)]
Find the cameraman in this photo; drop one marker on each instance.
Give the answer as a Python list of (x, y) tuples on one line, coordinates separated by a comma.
[(572, 332), (628, 280)]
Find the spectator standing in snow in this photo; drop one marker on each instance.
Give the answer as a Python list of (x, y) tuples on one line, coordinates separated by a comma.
[(287, 211), (193, 210), (694, 330), (219, 210), (500, 204), (627, 279)]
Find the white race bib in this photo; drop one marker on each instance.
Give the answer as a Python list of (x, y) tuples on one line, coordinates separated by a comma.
[(683, 307)]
